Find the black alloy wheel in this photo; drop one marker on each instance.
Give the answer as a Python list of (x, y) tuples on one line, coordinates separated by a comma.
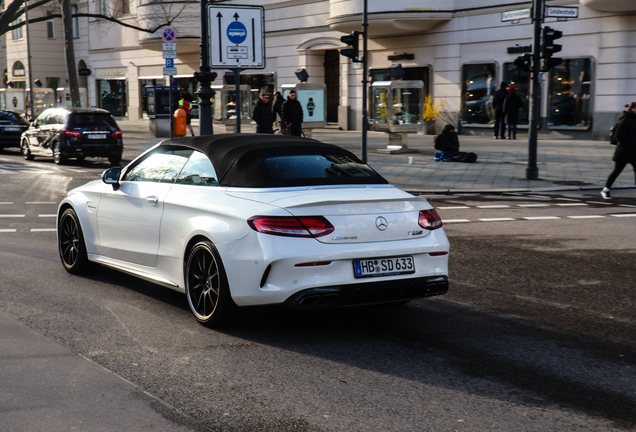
[(58, 158), (206, 285), (71, 245), (25, 150)]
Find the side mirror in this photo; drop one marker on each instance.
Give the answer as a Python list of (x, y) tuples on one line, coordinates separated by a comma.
[(111, 177)]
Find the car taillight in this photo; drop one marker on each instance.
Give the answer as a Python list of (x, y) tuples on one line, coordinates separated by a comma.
[(116, 133), (429, 219), (72, 133), (290, 226)]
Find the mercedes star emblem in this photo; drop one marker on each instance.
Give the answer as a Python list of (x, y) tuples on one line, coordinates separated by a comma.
[(381, 223)]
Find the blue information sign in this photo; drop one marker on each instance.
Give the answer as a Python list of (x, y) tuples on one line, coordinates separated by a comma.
[(236, 32)]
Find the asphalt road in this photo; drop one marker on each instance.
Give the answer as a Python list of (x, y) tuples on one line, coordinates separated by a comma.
[(535, 334)]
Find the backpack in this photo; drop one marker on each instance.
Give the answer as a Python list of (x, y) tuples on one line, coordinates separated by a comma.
[(613, 139)]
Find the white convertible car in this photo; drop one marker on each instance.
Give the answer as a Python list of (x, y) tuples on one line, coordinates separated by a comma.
[(238, 220)]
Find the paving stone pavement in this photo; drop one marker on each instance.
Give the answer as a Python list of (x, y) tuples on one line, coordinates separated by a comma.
[(564, 164)]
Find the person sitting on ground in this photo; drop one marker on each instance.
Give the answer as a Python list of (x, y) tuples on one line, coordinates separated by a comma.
[(447, 141)]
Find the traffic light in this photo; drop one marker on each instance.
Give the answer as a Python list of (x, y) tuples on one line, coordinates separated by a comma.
[(548, 48), (524, 63), (352, 40)]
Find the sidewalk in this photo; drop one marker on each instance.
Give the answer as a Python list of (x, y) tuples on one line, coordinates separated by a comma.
[(563, 164)]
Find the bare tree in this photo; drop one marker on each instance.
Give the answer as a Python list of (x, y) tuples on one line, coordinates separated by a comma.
[(163, 15)]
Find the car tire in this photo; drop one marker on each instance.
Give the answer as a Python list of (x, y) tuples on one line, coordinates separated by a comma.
[(58, 157), (206, 285), (114, 160), (71, 244), (26, 151)]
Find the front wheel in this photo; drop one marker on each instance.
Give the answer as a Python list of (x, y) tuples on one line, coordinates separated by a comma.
[(206, 283), (71, 245), (25, 150)]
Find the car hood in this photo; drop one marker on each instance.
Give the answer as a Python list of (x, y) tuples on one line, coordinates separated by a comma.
[(359, 214)]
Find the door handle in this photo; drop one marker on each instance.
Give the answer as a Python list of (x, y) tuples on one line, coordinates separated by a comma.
[(152, 200)]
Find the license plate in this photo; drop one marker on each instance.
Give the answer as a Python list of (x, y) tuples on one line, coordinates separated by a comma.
[(97, 136), (12, 129), (374, 267)]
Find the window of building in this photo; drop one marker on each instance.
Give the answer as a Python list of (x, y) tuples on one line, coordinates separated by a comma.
[(50, 27), (17, 33), (521, 82), (121, 7), (76, 24), (478, 87), (569, 93), (18, 70)]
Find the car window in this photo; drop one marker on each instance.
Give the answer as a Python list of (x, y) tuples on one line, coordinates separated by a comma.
[(198, 171), (315, 166), (162, 165), (56, 119), (79, 120), (42, 119), (7, 115)]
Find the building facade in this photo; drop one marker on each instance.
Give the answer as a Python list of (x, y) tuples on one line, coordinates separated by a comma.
[(459, 49)]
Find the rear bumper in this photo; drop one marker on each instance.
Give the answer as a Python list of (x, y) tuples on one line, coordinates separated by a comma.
[(388, 291), (92, 151)]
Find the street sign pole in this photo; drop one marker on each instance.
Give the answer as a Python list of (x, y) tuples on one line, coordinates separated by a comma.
[(205, 76), (237, 82), (532, 171)]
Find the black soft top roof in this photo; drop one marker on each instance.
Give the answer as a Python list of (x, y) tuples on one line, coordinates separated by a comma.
[(237, 158)]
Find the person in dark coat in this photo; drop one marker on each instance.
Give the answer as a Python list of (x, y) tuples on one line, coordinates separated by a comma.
[(448, 141), (625, 152), (293, 114), (263, 115), (512, 104), (279, 100), (500, 116)]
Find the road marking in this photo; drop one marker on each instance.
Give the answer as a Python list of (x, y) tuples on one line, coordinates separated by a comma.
[(541, 217), (42, 229), (7, 230), (496, 219), (40, 202), (572, 204), (599, 202), (533, 205), (620, 205), (624, 215), (6, 203), (454, 220), (538, 196), (10, 216), (47, 215), (452, 208), (567, 199), (494, 206), (587, 217)]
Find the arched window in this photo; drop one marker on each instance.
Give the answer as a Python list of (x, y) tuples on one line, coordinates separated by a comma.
[(18, 69)]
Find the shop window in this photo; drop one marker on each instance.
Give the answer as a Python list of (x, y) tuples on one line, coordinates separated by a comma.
[(569, 93), (478, 87), (521, 82), (76, 24), (113, 96)]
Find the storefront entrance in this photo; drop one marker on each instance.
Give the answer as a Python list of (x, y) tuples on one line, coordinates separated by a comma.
[(332, 81)]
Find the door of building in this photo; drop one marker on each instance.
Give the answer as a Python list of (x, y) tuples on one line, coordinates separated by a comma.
[(332, 80)]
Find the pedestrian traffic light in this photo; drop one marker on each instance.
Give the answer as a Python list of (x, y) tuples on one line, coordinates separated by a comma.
[(352, 41), (523, 63), (548, 48)]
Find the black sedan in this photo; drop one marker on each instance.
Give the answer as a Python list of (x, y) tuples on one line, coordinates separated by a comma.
[(11, 127)]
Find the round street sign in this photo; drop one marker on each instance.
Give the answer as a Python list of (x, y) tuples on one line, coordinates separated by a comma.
[(169, 34), (236, 32)]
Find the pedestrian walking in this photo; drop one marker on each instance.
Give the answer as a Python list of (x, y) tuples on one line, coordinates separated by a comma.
[(263, 115), (279, 100), (293, 114), (186, 103), (500, 115), (512, 104), (625, 152)]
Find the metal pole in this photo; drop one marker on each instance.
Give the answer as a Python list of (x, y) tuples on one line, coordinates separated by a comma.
[(365, 73), (170, 114), (205, 76), (28, 41), (532, 171), (237, 99)]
